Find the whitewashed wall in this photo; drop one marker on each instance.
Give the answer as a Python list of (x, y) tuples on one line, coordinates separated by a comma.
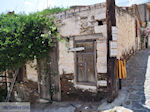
[(66, 58), (101, 56), (126, 33)]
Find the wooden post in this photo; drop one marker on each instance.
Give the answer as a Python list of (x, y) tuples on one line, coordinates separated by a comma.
[(111, 61)]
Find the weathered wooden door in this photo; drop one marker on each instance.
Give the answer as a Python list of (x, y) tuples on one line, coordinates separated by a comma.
[(85, 62)]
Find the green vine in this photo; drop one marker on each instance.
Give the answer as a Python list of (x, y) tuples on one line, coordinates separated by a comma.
[(25, 37)]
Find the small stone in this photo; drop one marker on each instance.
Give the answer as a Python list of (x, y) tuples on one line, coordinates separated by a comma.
[(136, 105), (131, 89), (127, 102), (86, 108)]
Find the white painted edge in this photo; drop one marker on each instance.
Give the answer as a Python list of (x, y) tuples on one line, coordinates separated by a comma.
[(102, 83), (76, 49), (86, 87)]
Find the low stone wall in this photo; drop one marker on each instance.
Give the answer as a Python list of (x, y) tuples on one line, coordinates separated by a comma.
[(70, 93)]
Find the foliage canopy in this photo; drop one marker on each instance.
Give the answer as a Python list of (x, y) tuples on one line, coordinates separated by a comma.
[(24, 37)]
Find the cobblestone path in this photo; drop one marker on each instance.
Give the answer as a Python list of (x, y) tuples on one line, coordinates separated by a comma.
[(137, 83)]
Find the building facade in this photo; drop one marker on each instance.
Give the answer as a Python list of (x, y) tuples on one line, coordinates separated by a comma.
[(80, 63)]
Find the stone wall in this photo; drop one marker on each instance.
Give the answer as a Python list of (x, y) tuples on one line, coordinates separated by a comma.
[(66, 58), (31, 71), (82, 24), (126, 32), (70, 90), (74, 11), (91, 24), (101, 49), (66, 65), (82, 21), (86, 22), (71, 93)]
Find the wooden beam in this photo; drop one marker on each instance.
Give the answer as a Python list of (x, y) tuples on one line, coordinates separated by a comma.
[(111, 61)]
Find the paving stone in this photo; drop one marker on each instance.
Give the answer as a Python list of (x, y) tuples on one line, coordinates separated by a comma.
[(127, 102), (141, 93), (143, 101), (131, 90), (140, 111), (134, 97), (136, 105)]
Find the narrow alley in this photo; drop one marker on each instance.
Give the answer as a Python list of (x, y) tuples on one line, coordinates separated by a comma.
[(135, 93), (137, 83)]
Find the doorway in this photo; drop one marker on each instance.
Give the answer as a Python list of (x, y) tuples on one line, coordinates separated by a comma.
[(85, 62)]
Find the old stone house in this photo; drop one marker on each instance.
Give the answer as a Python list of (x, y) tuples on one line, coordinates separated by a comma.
[(80, 61)]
